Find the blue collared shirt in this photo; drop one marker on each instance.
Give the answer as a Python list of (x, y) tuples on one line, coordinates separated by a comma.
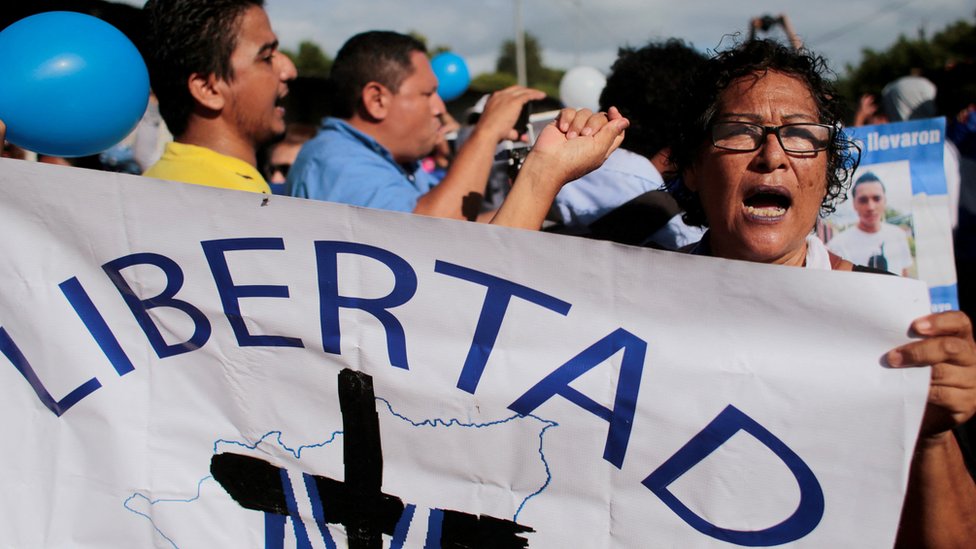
[(623, 176), (343, 164)]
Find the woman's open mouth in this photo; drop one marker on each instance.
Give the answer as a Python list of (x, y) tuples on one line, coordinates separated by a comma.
[(767, 203)]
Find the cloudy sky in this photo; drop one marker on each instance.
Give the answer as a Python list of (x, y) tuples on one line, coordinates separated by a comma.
[(588, 32)]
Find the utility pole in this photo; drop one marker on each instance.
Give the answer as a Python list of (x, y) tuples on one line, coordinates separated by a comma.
[(578, 19), (520, 46)]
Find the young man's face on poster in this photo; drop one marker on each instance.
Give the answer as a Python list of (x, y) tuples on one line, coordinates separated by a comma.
[(870, 204)]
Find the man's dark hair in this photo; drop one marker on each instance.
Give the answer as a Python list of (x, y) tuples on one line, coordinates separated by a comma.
[(868, 177), (186, 37), (373, 56), (755, 58), (647, 85)]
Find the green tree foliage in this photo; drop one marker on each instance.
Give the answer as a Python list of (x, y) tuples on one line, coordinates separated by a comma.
[(431, 51), (310, 60), (440, 48), (533, 57), (537, 73), (492, 81), (920, 55)]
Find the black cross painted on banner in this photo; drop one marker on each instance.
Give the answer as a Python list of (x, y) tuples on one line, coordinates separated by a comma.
[(358, 503)]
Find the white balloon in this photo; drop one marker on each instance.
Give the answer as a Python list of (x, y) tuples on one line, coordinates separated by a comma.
[(580, 88)]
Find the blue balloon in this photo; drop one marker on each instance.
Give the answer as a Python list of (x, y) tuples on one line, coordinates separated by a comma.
[(452, 75), (73, 85)]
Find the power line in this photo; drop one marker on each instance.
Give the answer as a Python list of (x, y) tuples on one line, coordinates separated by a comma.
[(884, 11), (584, 14)]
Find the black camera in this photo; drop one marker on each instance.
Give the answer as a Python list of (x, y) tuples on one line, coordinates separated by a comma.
[(768, 21), (513, 156), (529, 125)]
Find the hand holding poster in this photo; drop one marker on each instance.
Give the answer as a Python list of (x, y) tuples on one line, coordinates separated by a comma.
[(190, 367)]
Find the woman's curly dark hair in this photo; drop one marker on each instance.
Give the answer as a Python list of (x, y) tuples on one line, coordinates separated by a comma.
[(755, 57)]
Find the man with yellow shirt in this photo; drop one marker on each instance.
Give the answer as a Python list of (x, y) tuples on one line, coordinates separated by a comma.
[(220, 79)]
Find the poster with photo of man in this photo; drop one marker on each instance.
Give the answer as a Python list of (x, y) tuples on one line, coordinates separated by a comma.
[(897, 214), (880, 235)]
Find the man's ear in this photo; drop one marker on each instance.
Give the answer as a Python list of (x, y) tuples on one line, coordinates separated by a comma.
[(376, 100), (207, 90)]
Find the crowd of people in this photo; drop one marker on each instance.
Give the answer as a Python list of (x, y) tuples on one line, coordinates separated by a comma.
[(734, 156)]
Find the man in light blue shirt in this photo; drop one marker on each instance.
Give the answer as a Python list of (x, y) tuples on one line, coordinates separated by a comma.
[(387, 117), (622, 177), (343, 164), (646, 84)]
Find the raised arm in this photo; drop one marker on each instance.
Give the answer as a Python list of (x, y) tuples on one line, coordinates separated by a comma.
[(791, 34), (940, 506), (469, 171), (576, 143)]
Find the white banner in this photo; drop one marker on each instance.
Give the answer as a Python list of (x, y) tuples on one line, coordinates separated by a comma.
[(194, 368)]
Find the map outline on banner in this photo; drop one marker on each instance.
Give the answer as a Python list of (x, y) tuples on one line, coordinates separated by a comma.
[(297, 453)]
